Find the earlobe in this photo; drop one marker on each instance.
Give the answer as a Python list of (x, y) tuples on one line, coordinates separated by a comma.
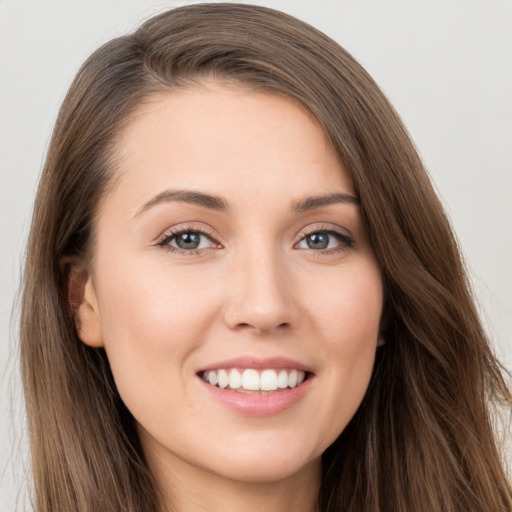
[(83, 303)]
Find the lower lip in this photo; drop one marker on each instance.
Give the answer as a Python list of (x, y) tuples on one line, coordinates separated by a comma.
[(264, 404)]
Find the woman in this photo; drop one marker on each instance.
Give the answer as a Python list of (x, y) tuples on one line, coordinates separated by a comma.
[(241, 291)]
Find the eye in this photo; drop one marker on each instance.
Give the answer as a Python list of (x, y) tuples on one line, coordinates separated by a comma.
[(187, 241), (328, 240)]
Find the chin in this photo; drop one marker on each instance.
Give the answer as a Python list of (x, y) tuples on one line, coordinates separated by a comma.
[(266, 470), (267, 459)]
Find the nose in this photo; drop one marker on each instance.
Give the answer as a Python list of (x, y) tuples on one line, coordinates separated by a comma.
[(259, 294)]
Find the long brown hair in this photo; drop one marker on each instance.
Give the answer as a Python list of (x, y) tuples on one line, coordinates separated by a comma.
[(423, 437)]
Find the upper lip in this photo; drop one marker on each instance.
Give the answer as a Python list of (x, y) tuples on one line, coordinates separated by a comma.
[(258, 363)]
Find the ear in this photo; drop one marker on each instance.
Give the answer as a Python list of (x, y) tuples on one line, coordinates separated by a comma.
[(81, 295)]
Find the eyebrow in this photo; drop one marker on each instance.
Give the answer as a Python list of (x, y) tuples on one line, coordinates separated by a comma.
[(187, 196), (217, 203), (310, 203)]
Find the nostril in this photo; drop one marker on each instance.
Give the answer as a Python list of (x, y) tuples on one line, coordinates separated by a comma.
[(241, 326), (260, 315)]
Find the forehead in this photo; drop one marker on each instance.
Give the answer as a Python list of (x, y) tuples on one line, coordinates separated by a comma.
[(229, 140)]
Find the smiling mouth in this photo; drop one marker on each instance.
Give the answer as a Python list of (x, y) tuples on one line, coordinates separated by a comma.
[(252, 381)]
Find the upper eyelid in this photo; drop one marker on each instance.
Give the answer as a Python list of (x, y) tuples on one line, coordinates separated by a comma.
[(164, 242), (210, 233), (170, 232), (344, 236), (324, 228)]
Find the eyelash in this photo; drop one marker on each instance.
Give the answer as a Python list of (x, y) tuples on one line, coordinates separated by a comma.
[(345, 241), (164, 242)]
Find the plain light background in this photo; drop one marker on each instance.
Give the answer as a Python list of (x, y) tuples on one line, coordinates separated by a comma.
[(446, 65)]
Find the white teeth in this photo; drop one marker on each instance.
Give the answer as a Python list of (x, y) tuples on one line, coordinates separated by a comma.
[(254, 380), (282, 380), (235, 379), (268, 380), (223, 378), (212, 378), (251, 380)]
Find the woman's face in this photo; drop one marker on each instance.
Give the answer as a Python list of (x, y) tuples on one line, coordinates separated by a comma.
[(232, 253)]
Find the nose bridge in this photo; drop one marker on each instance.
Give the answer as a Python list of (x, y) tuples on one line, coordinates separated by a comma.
[(259, 294)]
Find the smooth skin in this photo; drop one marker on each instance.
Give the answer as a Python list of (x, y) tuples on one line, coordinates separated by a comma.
[(177, 284)]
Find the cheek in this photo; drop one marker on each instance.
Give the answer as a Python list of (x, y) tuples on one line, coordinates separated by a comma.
[(347, 310), (347, 317), (152, 319), (155, 303), (354, 329)]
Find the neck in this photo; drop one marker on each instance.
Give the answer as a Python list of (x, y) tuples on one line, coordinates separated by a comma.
[(188, 488)]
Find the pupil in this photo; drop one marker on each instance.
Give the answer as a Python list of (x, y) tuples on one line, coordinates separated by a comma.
[(188, 241), (318, 241)]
